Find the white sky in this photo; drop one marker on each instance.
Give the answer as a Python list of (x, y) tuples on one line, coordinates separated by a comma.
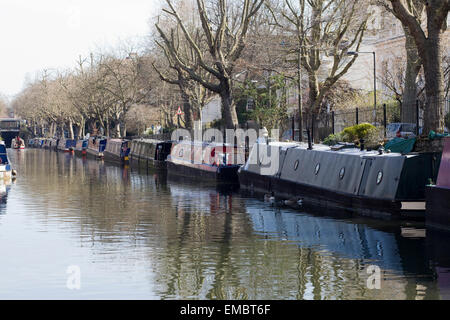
[(53, 33)]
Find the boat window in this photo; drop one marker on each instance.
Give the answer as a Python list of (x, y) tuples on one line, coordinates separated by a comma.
[(180, 153), (379, 177), (296, 165), (342, 173), (316, 171)]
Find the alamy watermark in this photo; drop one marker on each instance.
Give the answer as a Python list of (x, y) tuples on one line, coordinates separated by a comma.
[(74, 279), (374, 279)]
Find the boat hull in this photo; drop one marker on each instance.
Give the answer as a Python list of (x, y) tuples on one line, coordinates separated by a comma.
[(111, 157), (221, 174), (318, 197), (438, 207), (148, 163)]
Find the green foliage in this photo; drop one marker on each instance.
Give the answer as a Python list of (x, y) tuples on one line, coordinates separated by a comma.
[(366, 131), (332, 139), (357, 132), (269, 108)]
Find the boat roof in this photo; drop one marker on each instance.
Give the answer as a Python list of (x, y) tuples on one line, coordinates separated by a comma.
[(148, 140), (347, 149)]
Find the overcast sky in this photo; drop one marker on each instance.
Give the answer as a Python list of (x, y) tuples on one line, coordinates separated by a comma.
[(38, 34)]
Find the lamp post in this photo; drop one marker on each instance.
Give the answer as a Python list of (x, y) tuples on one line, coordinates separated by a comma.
[(356, 53)]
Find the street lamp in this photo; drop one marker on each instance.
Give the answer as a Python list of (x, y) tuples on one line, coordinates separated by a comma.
[(356, 53)]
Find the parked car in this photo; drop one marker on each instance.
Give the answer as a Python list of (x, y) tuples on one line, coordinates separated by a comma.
[(401, 130)]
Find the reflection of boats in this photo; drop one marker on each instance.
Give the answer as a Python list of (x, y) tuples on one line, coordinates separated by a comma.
[(80, 147), (365, 182), (150, 153), (438, 196), (200, 197), (117, 150), (439, 257), (18, 143), (212, 161), (381, 244), (66, 145), (5, 166), (96, 146)]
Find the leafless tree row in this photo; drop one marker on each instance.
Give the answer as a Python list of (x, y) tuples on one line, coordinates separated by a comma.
[(201, 48)]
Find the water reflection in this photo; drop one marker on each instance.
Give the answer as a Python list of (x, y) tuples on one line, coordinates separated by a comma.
[(138, 235)]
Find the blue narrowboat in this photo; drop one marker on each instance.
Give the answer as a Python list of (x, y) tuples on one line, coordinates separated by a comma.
[(117, 150), (66, 145), (96, 147), (5, 166), (80, 147), (31, 142)]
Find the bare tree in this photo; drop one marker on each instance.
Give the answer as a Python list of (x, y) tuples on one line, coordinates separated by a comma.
[(224, 32), (324, 30)]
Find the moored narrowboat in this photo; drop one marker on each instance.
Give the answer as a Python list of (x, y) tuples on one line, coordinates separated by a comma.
[(150, 153), (205, 160), (5, 166), (66, 145), (38, 142), (80, 147), (96, 147), (438, 196), (117, 150), (32, 143), (18, 143), (370, 183)]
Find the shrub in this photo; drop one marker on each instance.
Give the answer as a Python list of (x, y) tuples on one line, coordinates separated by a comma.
[(357, 132), (332, 139)]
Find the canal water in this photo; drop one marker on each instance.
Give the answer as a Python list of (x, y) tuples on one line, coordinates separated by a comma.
[(73, 228)]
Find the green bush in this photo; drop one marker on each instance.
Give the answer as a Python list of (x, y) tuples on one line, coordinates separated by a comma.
[(371, 135), (357, 132), (332, 139)]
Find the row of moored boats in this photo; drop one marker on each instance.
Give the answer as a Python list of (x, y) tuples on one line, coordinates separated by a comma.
[(343, 177)]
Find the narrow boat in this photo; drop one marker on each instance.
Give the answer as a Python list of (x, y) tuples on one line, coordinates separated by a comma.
[(41, 143), (18, 143), (5, 166), (66, 145), (150, 153), (371, 183), (205, 160), (96, 146), (47, 143), (438, 196), (32, 143), (117, 150), (80, 147)]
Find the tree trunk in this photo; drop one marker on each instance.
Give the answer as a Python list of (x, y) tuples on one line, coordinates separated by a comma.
[(413, 65), (71, 135), (434, 83), (228, 107), (117, 129)]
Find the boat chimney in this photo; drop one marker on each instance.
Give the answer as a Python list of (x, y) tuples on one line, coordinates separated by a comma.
[(361, 144), (309, 139)]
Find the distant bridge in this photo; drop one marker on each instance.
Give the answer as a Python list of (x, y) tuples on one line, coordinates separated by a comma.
[(9, 129)]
